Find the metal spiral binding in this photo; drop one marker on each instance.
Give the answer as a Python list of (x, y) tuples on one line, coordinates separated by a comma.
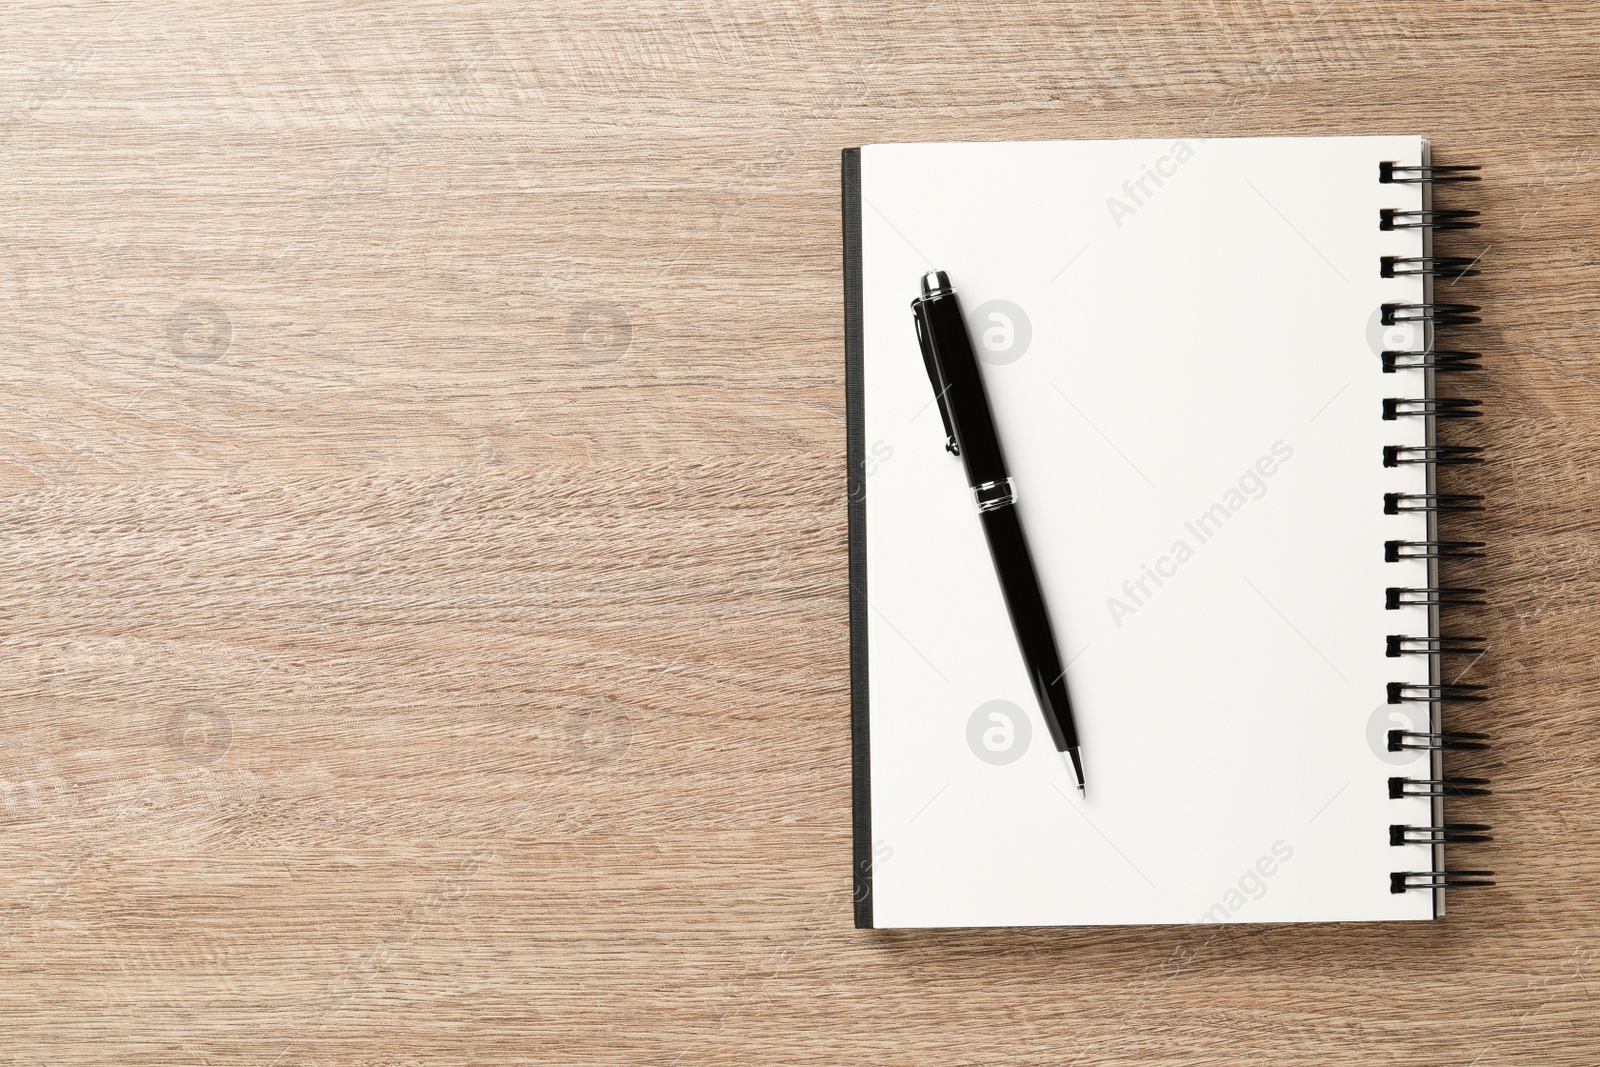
[(1437, 407), (1405, 503), (1444, 455), (1419, 693), (1462, 832), (1395, 551), (1438, 787), (1400, 645), (1440, 362), (1391, 219), (1411, 740), (1400, 881), (1400, 174), (1429, 266), (1434, 597), (1434, 312), (1430, 315)]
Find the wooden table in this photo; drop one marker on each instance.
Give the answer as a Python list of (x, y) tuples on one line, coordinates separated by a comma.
[(423, 622)]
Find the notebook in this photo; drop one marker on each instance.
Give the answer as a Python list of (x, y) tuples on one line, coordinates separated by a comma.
[(1212, 364)]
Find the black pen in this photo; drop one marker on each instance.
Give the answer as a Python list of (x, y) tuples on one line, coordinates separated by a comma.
[(969, 433)]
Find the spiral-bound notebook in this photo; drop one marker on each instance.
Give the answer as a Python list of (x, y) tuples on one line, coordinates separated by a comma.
[(1212, 363)]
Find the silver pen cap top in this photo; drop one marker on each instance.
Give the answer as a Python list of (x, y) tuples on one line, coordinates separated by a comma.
[(935, 282)]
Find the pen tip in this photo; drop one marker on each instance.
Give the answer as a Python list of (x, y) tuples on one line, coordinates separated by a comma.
[(1074, 764)]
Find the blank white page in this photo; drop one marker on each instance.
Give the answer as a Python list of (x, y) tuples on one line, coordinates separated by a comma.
[(1190, 400)]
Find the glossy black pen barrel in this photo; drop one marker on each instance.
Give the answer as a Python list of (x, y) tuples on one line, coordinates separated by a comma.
[(962, 397), (1019, 582), (952, 366)]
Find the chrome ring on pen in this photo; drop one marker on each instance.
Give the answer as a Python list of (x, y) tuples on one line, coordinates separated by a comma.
[(992, 495)]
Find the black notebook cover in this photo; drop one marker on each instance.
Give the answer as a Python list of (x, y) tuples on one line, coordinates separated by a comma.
[(855, 450)]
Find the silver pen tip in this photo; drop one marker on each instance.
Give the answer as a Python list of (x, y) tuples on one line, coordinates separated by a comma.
[(1071, 761)]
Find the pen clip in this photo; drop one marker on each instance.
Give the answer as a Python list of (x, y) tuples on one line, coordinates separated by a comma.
[(936, 379)]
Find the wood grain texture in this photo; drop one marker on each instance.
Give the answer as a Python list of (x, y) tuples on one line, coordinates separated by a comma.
[(423, 630)]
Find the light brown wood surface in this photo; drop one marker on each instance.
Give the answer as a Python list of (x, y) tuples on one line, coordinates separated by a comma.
[(423, 614)]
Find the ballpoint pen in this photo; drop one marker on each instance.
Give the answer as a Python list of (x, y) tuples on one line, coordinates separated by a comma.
[(970, 434)]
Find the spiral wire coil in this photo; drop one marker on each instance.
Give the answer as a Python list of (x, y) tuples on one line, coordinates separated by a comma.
[(1427, 317)]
